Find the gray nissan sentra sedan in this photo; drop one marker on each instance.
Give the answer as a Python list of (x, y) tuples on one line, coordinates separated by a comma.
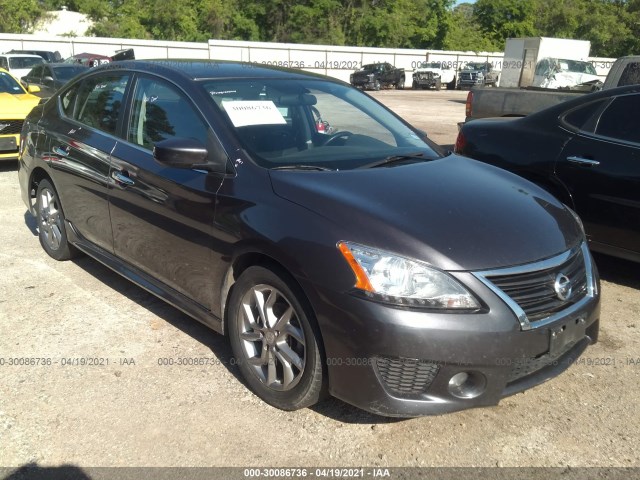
[(339, 249)]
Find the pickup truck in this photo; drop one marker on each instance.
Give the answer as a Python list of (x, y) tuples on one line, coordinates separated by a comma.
[(378, 75), (518, 102), (442, 74), (478, 75)]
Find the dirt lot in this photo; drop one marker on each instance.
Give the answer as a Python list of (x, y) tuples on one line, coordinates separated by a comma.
[(128, 410)]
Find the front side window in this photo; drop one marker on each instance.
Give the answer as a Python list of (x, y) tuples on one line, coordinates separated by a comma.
[(161, 111), (620, 119), (284, 122), (99, 101)]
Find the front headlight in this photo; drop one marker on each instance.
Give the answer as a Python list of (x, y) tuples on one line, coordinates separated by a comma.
[(391, 278)]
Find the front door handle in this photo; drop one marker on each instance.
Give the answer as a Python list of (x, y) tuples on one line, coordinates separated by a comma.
[(122, 178), (62, 151), (584, 161)]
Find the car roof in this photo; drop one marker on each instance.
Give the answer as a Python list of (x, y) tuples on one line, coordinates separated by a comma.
[(212, 69)]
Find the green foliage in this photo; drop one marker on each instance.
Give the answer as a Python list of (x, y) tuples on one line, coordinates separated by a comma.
[(612, 26), (465, 34), (18, 16), (502, 19)]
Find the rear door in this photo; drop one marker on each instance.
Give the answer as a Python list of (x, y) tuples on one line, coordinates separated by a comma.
[(601, 168), (162, 217), (81, 131)]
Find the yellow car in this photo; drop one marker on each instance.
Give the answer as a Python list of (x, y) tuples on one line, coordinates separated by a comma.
[(15, 105)]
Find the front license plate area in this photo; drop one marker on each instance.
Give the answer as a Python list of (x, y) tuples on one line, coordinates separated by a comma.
[(564, 335), (8, 144)]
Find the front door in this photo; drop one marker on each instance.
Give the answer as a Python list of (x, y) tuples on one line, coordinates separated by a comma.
[(162, 217)]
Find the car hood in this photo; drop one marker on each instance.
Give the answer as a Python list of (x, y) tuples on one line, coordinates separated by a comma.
[(455, 213), (16, 106)]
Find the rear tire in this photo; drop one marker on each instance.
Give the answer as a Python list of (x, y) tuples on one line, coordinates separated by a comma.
[(275, 340), (51, 223), (452, 84), (400, 84)]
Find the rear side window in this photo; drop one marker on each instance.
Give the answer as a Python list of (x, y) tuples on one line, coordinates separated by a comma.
[(99, 101), (578, 117), (620, 119), (161, 111), (630, 75)]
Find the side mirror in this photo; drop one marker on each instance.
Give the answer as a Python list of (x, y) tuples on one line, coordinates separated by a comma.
[(47, 80), (33, 89), (181, 153)]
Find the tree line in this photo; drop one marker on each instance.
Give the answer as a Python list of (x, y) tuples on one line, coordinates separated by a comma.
[(612, 26)]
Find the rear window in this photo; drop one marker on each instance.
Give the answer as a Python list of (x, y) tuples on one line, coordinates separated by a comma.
[(630, 75)]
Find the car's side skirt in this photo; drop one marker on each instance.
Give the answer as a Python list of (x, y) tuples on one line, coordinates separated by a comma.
[(144, 280)]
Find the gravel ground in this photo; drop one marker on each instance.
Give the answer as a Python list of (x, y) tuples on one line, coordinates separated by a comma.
[(128, 410)]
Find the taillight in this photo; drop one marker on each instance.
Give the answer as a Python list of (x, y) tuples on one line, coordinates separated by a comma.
[(461, 142), (468, 108)]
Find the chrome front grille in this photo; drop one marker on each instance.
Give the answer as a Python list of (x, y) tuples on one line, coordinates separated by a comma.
[(10, 127), (538, 292), (535, 292)]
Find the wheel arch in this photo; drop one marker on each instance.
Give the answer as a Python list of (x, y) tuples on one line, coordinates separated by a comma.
[(37, 175)]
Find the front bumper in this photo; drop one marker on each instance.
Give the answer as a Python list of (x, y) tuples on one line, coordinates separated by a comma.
[(400, 362)]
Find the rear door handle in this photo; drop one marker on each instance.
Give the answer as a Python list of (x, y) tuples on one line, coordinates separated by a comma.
[(62, 151), (584, 161), (122, 178)]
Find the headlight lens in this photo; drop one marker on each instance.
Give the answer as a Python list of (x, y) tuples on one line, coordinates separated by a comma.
[(391, 278)]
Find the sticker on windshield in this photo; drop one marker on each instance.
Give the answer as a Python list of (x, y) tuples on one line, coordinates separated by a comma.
[(253, 112)]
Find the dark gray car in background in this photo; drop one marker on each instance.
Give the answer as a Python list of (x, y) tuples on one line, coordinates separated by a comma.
[(360, 263)]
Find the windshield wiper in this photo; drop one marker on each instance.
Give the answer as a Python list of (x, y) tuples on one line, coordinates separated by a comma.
[(304, 167), (396, 158)]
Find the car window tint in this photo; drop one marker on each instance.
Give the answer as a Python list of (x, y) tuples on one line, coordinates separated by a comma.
[(99, 101), (579, 117), (67, 100), (160, 111), (620, 119), (35, 74), (630, 75), (46, 72), (3, 63)]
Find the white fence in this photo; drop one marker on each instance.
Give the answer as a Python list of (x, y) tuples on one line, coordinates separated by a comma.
[(333, 61)]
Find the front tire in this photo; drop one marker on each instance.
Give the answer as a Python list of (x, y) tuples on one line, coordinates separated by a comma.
[(438, 85), (51, 223), (400, 84), (376, 85), (275, 340)]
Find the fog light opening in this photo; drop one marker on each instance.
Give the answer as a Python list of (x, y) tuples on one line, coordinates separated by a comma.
[(467, 384)]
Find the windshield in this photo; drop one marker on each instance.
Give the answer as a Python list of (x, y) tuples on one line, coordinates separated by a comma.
[(8, 84), (577, 67), (312, 123), (24, 62), (67, 72), (476, 66)]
